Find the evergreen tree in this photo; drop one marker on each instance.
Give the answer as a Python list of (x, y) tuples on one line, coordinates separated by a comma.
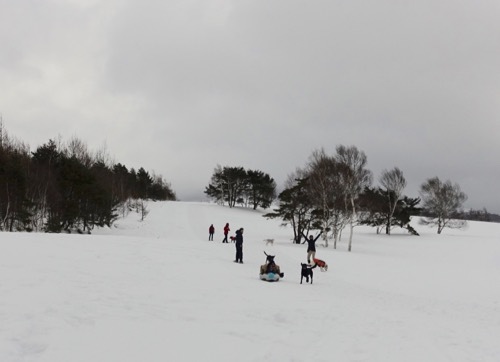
[(144, 182), (60, 187), (374, 210), (261, 189), (295, 207), (228, 184)]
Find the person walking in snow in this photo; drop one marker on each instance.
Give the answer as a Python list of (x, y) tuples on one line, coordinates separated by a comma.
[(226, 231), (239, 246), (211, 231), (311, 246)]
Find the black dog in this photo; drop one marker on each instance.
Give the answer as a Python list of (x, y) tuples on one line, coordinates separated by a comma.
[(306, 272), (270, 266)]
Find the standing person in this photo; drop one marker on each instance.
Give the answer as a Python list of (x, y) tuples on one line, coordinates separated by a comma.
[(311, 246), (226, 231), (239, 246), (211, 231)]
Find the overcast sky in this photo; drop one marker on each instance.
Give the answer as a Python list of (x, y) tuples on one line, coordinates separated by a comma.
[(180, 86)]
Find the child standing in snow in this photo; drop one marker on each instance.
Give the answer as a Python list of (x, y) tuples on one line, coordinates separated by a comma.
[(211, 231), (226, 231)]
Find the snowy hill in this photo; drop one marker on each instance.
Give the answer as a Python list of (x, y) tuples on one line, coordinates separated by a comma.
[(158, 290)]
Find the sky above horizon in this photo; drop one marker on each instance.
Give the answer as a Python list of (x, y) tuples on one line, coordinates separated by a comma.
[(179, 87)]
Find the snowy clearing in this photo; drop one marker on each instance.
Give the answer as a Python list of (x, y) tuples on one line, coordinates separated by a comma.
[(158, 290)]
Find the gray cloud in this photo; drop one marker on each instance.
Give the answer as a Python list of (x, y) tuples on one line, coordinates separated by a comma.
[(181, 86)]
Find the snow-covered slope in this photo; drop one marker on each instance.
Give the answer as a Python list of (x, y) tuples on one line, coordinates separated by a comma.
[(158, 290)]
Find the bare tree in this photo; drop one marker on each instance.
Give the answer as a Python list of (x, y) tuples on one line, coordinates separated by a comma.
[(141, 207), (324, 179), (442, 201), (394, 183), (102, 156), (353, 181), (14, 171), (78, 149), (320, 186)]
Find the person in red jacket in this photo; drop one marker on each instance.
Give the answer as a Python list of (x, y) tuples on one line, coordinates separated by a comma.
[(226, 231), (211, 231)]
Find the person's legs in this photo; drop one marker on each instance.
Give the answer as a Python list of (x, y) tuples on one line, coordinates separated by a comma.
[(309, 254), (239, 253)]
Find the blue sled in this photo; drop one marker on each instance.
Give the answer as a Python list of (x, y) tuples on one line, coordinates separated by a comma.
[(270, 277)]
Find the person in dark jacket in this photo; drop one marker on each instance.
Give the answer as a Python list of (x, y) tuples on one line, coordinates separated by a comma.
[(226, 231), (311, 246), (239, 246), (211, 231)]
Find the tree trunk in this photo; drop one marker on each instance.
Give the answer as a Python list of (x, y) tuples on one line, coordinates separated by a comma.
[(350, 234), (388, 224), (352, 223), (440, 225)]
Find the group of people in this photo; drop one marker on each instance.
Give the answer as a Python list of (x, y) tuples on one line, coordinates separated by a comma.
[(238, 240), (211, 232), (311, 242)]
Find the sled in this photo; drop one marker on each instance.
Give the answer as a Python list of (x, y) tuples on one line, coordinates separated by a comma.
[(270, 277)]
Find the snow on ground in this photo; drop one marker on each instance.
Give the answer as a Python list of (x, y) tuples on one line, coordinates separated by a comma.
[(158, 290)]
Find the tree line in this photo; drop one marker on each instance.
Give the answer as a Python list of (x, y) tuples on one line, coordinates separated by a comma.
[(235, 185), (64, 187), (334, 193)]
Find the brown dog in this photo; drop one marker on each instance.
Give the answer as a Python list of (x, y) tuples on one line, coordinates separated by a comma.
[(323, 266)]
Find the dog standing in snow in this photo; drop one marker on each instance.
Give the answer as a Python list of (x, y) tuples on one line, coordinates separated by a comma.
[(269, 241), (306, 272), (323, 266)]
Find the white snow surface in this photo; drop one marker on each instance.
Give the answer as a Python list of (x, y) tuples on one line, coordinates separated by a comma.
[(158, 290)]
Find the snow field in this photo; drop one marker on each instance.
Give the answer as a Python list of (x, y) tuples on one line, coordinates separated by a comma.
[(158, 290)]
